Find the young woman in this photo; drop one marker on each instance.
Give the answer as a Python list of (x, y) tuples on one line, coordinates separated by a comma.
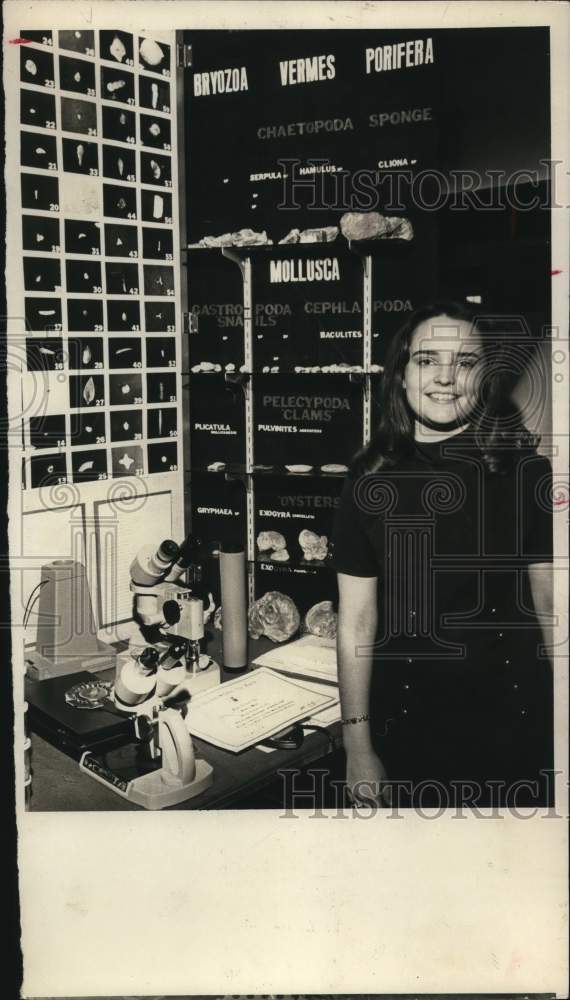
[(443, 548)]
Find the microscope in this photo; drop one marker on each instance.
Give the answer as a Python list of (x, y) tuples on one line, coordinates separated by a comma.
[(154, 684), (131, 733), (168, 588)]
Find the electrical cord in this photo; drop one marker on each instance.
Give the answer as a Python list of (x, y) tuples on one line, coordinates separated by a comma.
[(30, 607)]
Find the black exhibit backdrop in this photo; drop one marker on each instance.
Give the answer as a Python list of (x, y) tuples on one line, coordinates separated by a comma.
[(288, 130)]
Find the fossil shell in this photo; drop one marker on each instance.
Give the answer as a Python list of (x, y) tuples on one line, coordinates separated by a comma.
[(268, 540), (151, 52), (314, 547), (321, 620), (334, 467), (292, 236), (117, 49), (89, 391), (373, 225), (274, 615), (325, 235), (281, 555), (115, 85)]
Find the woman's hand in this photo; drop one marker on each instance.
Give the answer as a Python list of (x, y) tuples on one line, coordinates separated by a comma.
[(366, 778)]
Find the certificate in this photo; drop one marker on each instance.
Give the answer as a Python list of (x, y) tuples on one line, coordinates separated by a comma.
[(238, 714)]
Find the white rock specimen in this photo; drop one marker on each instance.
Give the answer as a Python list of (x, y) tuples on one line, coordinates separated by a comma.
[(268, 540), (151, 52), (321, 620), (117, 49), (315, 547), (374, 226), (274, 615)]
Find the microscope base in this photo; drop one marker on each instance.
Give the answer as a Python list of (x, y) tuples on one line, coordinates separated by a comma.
[(152, 790)]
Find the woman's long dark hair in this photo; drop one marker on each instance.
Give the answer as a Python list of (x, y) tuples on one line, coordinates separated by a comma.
[(496, 421)]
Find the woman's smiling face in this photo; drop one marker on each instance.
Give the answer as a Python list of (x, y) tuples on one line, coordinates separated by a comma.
[(443, 375)]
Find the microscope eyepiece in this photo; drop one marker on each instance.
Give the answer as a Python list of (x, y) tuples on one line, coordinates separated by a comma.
[(167, 551), (188, 551), (151, 564)]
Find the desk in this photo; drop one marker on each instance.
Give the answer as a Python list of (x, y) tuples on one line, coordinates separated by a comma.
[(59, 785)]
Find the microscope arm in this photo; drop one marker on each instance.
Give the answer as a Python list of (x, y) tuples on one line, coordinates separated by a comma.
[(176, 745)]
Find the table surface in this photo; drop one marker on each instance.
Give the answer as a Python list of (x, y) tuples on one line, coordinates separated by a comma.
[(58, 784)]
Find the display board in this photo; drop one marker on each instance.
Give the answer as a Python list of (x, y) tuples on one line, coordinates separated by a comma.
[(217, 423), (307, 309), (317, 108), (216, 313), (97, 283), (306, 422), (293, 519), (219, 507), (286, 132), (305, 586)]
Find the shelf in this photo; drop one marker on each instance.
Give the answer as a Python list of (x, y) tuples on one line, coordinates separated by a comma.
[(236, 377), (363, 248), (269, 472), (280, 471), (243, 376)]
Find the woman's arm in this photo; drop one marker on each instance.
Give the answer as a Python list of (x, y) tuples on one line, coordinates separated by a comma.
[(357, 621), (541, 586)]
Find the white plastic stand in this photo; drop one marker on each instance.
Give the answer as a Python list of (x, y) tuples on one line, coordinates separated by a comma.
[(180, 778)]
